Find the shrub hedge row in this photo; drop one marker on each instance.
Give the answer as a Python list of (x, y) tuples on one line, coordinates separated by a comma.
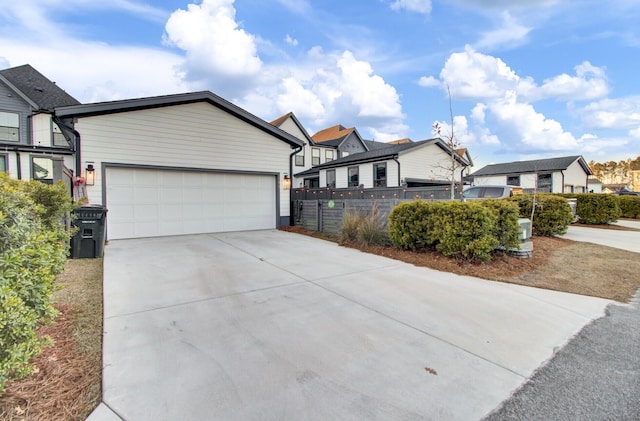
[(596, 208), (629, 206), (33, 248), (552, 214), (471, 230)]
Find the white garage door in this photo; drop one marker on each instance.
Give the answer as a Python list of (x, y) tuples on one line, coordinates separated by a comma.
[(152, 203)]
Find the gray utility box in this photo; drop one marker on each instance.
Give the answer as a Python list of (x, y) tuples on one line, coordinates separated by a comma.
[(524, 229), (88, 241)]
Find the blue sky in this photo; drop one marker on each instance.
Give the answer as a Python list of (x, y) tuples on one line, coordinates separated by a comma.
[(540, 79)]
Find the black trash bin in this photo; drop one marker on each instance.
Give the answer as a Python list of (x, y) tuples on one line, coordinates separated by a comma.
[(88, 240)]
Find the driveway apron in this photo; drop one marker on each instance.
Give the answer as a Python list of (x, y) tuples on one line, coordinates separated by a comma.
[(272, 325)]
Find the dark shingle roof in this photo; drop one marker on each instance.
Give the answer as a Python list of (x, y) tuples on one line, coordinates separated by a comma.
[(373, 145), (518, 167), (40, 90), (372, 155)]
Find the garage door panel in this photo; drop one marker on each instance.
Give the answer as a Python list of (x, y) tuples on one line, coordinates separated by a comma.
[(148, 203)]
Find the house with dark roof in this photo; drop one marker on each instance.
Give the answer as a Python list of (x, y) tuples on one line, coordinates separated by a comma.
[(567, 174), (412, 164), (34, 143)]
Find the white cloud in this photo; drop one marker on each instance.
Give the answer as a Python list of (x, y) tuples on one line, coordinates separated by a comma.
[(510, 34), (220, 54), (419, 6), (291, 41), (429, 81), (590, 82), (621, 113)]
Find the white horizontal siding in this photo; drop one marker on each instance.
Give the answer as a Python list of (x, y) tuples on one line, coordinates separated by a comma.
[(575, 176), (491, 179), (196, 135), (428, 162)]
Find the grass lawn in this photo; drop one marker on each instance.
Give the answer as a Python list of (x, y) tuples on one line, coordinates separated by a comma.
[(67, 382)]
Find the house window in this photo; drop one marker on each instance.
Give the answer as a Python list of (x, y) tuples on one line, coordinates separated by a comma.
[(300, 158), (42, 169), (315, 156), (3, 163), (513, 180), (354, 179), (58, 137), (328, 155), (9, 126), (380, 175), (331, 178), (544, 183)]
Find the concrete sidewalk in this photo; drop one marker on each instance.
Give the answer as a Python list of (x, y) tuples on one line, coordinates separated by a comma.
[(625, 240), (274, 325)]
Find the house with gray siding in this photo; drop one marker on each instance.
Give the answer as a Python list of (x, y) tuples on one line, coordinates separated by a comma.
[(567, 174), (34, 143)]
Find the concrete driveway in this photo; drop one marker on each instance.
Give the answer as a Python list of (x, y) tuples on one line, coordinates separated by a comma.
[(272, 325), (625, 240)]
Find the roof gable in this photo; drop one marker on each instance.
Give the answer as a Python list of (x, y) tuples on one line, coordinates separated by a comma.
[(127, 105), (537, 165), (278, 122), (36, 88)]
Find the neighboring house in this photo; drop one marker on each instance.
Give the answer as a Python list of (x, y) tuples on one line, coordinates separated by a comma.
[(34, 144), (635, 177), (567, 174), (595, 185), (615, 188), (413, 164), (183, 164), (311, 154)]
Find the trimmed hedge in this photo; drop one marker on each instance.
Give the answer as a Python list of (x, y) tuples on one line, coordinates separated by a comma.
[(33, 248), (468, 230), (506, 228), (629, 206), (552, 215), (598, 208)]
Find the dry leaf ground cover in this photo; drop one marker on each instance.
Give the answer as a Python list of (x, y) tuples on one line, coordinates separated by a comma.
[(67, 382)]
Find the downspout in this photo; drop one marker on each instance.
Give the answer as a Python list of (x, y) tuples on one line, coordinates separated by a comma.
[(75, 145), (561, 191), (295, 151), (395, 158), (19, 167)]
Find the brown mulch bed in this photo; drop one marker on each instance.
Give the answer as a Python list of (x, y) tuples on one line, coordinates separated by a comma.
[(557, 264)]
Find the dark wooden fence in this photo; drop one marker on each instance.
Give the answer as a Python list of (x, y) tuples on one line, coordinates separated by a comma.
[(426, 193)]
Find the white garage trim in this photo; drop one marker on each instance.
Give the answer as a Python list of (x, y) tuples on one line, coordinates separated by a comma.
[(150, 201)]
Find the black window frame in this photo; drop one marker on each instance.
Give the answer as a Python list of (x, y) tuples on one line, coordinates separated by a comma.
[(313, 157), (331, 184), (377, 181), (51, 177), (511, 178), (350, 180), (299, 163), (4, 158), (329, 155), (546, 176), (17, 128)]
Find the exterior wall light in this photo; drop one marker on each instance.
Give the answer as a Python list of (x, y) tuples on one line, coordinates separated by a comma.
[(286, 182), (90, 175)]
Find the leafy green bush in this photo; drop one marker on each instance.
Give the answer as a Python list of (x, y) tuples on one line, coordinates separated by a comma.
[(33, 249), (629, 206), (368, 229), (552, 213), (453, 228), (506, 227), (595, 209)]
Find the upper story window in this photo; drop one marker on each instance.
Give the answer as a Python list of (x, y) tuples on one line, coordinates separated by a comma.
[(354, 176), (380, 175), (300, 158), (58, 137), (9, 126), (513, 180), (315, 156), (544, 183), (328, 155)]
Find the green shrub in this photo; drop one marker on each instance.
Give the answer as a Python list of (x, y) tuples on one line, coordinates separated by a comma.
[(595, 209), (455, 229), (506, 227), (368, 229), (33, 249), (629, 206), (552, 213)]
